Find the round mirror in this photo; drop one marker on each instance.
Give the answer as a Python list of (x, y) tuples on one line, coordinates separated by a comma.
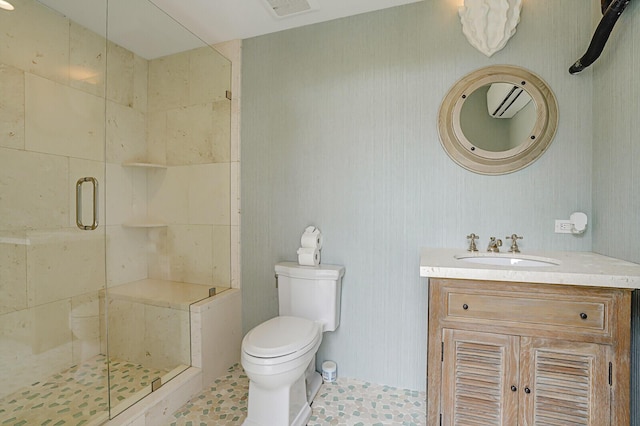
[(497, 120)]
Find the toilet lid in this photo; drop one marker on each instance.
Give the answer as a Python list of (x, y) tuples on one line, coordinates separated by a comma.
[(280, 336)]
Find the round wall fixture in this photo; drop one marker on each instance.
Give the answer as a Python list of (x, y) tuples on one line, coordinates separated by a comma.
[(497, 120)]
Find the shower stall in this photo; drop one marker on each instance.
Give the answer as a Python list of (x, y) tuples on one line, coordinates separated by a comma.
[(115, 176)]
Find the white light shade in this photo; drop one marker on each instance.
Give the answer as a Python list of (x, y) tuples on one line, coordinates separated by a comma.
[(489, 24), (5, 5)]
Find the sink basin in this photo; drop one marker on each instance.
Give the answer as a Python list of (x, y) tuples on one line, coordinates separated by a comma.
[(507, 259)]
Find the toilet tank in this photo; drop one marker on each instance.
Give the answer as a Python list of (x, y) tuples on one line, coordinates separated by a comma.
[(311, 292)]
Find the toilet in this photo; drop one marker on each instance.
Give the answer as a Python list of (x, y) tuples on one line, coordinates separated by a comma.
[(279, 355)]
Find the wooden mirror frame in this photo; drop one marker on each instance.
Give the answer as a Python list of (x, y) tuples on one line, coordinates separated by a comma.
[(477, 160)]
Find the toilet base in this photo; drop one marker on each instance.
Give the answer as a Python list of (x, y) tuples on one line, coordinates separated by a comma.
[(278, 407), (313, 381)]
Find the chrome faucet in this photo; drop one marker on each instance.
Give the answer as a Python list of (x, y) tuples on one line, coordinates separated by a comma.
[(514, 243), (472, 242), (494, 245)]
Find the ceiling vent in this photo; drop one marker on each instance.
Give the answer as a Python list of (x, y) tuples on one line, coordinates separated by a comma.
[(287, 8), (504, 100)]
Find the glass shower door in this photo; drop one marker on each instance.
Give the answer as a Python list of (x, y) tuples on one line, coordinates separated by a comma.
[(168, 193), (52, 273)]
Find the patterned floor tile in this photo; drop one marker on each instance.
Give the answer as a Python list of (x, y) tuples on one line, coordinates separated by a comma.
[(346, 402), (77, 396)]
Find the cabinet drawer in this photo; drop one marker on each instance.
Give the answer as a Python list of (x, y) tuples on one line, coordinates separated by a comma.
[(545, 311)]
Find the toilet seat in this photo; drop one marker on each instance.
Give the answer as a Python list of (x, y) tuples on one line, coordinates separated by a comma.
[(281, 339)]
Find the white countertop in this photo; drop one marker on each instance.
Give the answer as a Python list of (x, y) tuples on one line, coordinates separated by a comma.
[(574, 268)]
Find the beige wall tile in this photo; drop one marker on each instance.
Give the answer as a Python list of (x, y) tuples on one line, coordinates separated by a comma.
[(166, 337), (221, 242), (126, 255), (235, 129), (190, 135), (50, 326), (198, 134), (126, 193), (140, 83), (63, 264), (63, 121), (185, 254), (126, 134), (169, 82), (235, 193), (34, 190), (168, 194), (222, 131), (235, 257), (157, 137), (11, 107), (120, 75), (209, 76), (222, 322), (209, 193), (87, 60), (13, 274), (36, 40), (126, 330)]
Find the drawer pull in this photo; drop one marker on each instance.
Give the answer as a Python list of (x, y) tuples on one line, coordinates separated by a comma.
[(583, 315), (465, 306), (527, 390), (513, 388)]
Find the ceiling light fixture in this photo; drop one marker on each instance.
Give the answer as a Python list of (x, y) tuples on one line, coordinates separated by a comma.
[(6, 5)]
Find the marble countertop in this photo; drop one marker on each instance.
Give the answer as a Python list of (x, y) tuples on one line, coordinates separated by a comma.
[(573, 268)]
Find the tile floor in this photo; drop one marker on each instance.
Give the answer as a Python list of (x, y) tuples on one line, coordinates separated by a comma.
[(76, 396), (346, 402)]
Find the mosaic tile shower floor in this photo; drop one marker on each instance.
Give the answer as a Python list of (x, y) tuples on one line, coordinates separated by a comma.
[(346, 402), (76, 396)]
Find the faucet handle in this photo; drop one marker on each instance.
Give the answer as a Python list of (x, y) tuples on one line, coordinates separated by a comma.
[(494, 245), (514, 243), (472, 242)]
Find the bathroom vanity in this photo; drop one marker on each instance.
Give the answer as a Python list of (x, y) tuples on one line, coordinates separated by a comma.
[(544, 340)]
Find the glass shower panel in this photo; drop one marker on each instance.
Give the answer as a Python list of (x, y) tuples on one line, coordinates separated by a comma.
[(168, 166), (52, 133)]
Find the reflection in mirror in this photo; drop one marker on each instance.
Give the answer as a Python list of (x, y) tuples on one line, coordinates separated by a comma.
[(497, 120), (498, 117)]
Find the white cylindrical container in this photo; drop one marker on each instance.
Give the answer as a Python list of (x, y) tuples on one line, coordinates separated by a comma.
[(329, 371)]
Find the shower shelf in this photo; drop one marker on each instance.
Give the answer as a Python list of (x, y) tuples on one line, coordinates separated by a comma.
[(145, 165)]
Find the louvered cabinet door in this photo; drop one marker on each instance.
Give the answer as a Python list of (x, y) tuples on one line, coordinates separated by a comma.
[(478, 373), (564, 383)]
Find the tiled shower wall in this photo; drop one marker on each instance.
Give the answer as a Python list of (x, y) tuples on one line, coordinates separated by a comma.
[(52, 128), (52, 132)]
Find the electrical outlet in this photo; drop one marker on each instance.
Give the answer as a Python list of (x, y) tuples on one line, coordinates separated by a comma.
[(563, 226)]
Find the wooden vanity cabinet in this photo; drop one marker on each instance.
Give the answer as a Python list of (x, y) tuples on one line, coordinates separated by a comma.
[(505, 353)]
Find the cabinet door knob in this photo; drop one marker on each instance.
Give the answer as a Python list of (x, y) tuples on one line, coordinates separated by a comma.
[(513, 388), (465, 306), (527, 390), (583, 315)]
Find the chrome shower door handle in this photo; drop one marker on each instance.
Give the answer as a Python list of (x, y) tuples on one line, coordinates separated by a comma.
[(79, 223)]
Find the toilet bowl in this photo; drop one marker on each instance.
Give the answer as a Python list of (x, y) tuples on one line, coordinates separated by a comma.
[(279, 355)]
